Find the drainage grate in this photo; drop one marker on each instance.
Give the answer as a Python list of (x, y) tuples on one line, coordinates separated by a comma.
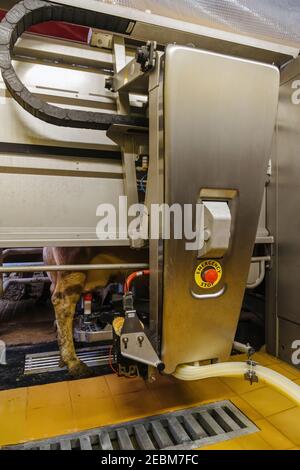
[(182, 430), (49, 361)]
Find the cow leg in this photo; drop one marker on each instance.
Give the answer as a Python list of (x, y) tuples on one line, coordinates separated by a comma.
[(66, 294)]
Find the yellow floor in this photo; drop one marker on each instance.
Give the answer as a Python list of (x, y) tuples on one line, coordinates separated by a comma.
[(49, 410)]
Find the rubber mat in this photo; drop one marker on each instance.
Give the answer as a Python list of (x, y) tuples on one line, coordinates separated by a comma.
[(12, 375)]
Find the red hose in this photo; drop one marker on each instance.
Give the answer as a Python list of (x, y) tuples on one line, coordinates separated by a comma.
[(132, 276), (110, 359)]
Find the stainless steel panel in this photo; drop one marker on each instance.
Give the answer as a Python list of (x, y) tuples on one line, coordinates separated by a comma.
[(283, 196), (288, 200), (53, 200), (289, 332), (223, 44), (271, 274), (219, 117), (78, 87)]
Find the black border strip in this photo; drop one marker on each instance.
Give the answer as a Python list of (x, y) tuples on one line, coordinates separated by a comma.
[(53, 151)]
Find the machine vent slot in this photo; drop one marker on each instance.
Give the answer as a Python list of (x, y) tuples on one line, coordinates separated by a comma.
[(182, 430)]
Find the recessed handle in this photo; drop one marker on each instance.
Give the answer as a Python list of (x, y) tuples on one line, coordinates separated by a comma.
[(215, 295)]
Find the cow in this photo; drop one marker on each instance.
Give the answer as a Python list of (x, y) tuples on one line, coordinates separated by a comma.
[(67, 288)]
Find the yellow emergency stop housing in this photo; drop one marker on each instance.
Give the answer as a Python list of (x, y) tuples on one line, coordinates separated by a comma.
[(202, 268)]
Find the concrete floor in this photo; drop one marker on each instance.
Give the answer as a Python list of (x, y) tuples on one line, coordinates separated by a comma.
[(31, 324)]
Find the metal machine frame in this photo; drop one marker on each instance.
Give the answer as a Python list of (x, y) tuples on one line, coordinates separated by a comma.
[(282, 320)]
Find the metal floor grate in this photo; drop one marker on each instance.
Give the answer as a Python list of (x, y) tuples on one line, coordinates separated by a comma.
[(182, 430), (49, 361)]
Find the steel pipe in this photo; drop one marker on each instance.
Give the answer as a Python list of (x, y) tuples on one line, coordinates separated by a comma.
[(26, 280), (16, 265), (74, 267), (259, 280), (255, 259), (262, 260), (243, 348)]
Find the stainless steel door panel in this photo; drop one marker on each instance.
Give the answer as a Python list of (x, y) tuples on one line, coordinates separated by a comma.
[(288, 201), (219, 117)]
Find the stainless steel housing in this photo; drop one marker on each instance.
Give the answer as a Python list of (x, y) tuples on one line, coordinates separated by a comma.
[(219, 116)]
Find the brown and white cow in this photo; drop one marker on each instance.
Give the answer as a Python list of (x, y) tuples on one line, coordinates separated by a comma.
[(67, 288)]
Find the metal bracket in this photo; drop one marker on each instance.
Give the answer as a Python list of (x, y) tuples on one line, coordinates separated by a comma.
[(135, 343), (137, 346), (244, 349), (101, 40), (146, 56), (92, 333), (215, 233), (251, 375), (130, 142), (128, 302)]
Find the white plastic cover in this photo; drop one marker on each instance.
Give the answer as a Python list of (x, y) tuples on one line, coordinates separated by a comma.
[(277, 20)]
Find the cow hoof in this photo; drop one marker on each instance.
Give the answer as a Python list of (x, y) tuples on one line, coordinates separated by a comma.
[(79, 369)]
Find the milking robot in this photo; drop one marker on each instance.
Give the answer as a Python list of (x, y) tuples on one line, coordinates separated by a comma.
[(202, 137)]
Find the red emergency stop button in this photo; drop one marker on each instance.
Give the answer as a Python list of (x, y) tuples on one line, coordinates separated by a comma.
[(210, 275)]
